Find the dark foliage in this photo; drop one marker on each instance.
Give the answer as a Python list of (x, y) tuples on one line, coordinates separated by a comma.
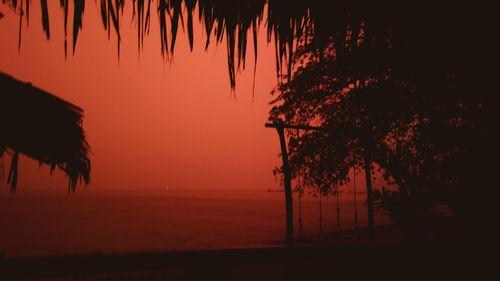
[(409, 93)]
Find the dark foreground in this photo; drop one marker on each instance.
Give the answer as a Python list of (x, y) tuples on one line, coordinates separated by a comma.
[(330, 258)]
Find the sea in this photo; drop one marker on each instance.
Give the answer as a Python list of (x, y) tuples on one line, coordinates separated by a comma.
[(90, 221)]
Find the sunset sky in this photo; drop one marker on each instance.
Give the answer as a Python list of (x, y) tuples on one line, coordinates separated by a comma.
[(387, 165), (150, 124)]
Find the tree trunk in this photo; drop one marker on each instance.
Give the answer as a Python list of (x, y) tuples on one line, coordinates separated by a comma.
[(369, 197), (288, 186)]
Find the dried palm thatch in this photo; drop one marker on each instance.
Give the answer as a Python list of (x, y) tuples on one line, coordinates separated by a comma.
[(232, 19), (43, 127)]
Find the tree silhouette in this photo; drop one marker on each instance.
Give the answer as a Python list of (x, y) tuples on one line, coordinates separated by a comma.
[(396, 92)]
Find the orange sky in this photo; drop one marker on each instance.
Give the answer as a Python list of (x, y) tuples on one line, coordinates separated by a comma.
[(149, 124)]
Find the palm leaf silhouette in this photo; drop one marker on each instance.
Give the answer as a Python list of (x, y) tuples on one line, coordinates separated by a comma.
[(232, 19)]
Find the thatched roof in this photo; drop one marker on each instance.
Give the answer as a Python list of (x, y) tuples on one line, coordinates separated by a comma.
[(44, 127)]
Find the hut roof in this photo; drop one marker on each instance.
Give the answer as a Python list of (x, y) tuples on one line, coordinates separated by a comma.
[(44, 127)]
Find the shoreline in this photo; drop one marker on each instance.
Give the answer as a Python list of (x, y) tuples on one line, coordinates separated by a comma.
[(318, 256)]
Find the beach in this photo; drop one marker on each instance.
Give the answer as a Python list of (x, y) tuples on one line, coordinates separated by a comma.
[(241, 246), (329, 257)]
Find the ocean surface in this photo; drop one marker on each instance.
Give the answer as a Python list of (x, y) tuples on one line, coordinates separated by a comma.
[(120, 221)]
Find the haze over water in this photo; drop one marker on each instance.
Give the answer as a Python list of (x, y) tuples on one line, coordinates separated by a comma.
[(125, 221)]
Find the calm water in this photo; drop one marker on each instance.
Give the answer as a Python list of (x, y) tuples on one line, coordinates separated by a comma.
[(88, 221)]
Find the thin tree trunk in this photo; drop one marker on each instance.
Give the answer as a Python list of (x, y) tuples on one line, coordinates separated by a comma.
[(288, 186), (369, 197), (300, 211), (338, 211), (320, 217)]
